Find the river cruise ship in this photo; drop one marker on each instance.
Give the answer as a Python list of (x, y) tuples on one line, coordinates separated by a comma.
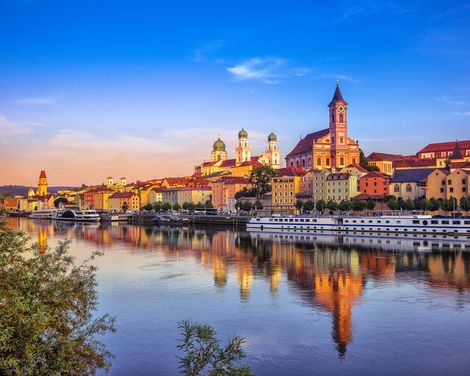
[(78, 216), (420, 224), (43, 214)]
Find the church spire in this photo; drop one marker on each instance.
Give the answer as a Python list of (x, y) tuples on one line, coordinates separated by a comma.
[(456, 154), (337, 96)]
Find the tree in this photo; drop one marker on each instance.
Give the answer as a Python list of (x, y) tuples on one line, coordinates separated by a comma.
[(392, 203), (157, 206), (148, 207), (320, 205), (331, 205), (409, 205), (370, 204), (258, 205), (261, 178), (48, 306), (125, 206), (187, 205), (344, 205), (59, 201), (299, 205), (208, 204), (358, 205), (364, 163), (166, 206), (203, 354), (177, 207), (309, 206), (465, 203), (433, 205), (246, 206)]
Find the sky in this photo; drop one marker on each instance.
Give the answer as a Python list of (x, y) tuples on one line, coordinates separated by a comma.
[(142, 89)]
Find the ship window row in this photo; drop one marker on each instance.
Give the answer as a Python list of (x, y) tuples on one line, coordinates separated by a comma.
[(308, 220)]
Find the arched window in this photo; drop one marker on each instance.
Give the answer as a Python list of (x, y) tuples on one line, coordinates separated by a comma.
[(408, 187), (341, 118), (396, 188), (303, 163)]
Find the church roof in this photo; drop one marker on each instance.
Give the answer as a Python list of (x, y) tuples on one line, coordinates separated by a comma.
[(305, 145), (376, 156), (337, 96)]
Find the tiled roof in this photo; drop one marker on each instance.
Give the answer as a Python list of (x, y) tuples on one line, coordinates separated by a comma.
[(123, 195), (408, 176), (253, 162), (233, 180), (445, 146), (464, 165), (374, 174), (305, 145), (338, 176), (290, 171), (359, 167), (228, 163), (376, 156), (414, 163), (42, 174)]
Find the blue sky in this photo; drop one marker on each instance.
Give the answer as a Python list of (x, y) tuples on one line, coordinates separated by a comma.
[(143, 88)]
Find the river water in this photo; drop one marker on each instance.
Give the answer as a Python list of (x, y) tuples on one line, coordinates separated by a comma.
[(306, 305)]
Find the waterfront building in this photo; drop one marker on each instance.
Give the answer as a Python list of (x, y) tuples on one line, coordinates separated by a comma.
[(101, 199), (457, 184), (156, 195), (224, 190), (117, 201), (285, 186), (444, 150), (194, 195), (436, 184), (374, 184), (409, 184), (10, 203), (328, 148), (340, 186), (383, 161)]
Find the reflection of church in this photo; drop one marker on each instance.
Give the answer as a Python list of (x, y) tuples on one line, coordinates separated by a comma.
[(243, 162)]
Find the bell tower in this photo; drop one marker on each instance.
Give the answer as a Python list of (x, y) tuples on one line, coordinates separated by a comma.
[(42, 184), (242, 150), (338, 110)]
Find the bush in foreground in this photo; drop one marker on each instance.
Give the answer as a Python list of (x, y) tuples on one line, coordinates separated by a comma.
[(47, 304)]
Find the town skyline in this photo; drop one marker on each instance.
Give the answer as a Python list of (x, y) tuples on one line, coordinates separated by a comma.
[(146, 90)]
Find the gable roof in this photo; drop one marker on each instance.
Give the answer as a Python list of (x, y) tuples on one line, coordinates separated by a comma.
[(123, 195), (358, 167), (375, 174), (290, 171), (445, 146), (377, 156), (305, 145), (411, 176)]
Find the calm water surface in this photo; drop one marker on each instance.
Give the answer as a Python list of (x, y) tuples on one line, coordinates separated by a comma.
[(306, 306)]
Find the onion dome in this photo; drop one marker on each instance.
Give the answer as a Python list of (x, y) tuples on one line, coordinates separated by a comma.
[(219, 145), (243, 134), (272, 137)]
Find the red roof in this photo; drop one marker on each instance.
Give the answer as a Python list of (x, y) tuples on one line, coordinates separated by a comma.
[(414, 163), (359, 167), (42, 174), (375, 174), (376, 156), (446, 146), (233, 180), (305, 145), (463, 165), (123, 195), (338, 176), (228, 163), (290, 171)]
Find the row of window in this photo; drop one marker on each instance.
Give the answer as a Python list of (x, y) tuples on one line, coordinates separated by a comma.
[(285, 193), (286, 200)]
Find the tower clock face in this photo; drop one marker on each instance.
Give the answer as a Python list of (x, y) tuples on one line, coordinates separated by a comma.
[(340, 109)]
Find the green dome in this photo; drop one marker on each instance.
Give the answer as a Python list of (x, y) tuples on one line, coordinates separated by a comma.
[(272, 137), (243, 134), (219, 145)]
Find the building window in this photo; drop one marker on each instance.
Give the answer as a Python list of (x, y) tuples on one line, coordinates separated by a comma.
[(449, 182), (408, 188), (319, 161), (341, 118), (341, 161), (396, 188), (327, 161)]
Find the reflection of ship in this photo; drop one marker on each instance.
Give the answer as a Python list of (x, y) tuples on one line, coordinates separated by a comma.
[(78, 215), (411, 224), (387, 242), (43, 214)]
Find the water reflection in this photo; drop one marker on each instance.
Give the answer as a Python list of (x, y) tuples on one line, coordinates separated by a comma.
[(328, 272)]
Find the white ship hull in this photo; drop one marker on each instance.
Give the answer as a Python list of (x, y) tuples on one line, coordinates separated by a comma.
[(78, 216), (419, 224)]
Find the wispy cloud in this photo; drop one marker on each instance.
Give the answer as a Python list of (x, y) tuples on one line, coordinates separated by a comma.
[(338, 76), (204, 49), (447, 100), (464, 113), (10, 129), (34, 101), (268, 70), (351, 9)]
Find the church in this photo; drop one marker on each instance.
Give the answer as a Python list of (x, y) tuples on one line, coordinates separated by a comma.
[(243, 162), (330, 147)]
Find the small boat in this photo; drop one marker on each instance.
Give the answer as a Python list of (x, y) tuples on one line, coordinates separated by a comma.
[(420, 224), (43, 214), (78, 216)]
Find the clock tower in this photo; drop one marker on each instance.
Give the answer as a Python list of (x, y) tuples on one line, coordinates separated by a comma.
[(338, 109)]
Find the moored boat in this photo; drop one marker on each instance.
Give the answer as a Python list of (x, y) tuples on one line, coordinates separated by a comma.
[(43, 214), (78, 216), (421, 224)]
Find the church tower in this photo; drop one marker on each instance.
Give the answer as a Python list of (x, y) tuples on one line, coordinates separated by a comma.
[(219, 153), (338, 109), (242, 150), (272, 152), (42, 184)]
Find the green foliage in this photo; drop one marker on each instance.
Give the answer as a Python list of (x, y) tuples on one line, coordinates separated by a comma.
[(358, 205), (299, 204), (244, 205), (331, 205), (309, 206), (148, 207), (157, 206), (125, 206), (434, 205), (245, 192), (370, 204), (203, 354), (177, 207), (465, 203), (258, 204), (320, 205), (363, 162), (261, 177), (345, 205), (166, 206), (47, 304)]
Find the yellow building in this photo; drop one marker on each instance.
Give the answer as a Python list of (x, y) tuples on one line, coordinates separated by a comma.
[(101, 199), (457, 184), (341, 186), (156, 195), (383, 161), (118, 200), (42, 184), (436, 184), (285, 186)]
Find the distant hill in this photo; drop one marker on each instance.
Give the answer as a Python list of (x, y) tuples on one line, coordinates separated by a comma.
[(15, 190)]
